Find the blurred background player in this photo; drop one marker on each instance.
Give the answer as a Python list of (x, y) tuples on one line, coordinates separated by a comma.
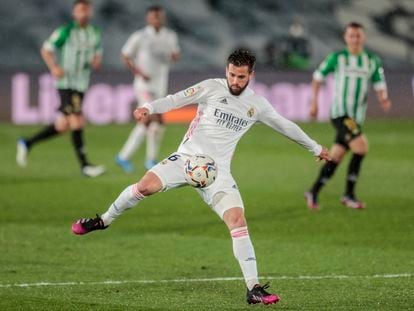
[(354, 68), (148, 53), (70, 53)]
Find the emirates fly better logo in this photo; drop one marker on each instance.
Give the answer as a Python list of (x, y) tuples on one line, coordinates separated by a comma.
[(229, 120)]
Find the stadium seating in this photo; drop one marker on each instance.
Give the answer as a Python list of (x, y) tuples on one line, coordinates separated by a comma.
[(209, 29)]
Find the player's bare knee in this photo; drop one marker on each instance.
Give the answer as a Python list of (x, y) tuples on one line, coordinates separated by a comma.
[(76, 122), (61, 128), (76, 127), (145, 188), (149, 184), (234, 218), (337, 158)]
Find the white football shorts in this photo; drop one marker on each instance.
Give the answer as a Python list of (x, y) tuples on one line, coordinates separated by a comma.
[(222, 195)]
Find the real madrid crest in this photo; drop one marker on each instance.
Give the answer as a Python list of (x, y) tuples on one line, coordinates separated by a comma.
[(250, 112)]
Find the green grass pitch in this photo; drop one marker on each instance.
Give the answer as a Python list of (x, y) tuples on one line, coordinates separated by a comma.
[(174, 235)]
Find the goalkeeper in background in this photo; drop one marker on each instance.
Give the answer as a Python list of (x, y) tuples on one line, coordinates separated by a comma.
[(354, 69), (70, 53)]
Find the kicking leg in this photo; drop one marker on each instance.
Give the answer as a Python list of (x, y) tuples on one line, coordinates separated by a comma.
[(129, 197)]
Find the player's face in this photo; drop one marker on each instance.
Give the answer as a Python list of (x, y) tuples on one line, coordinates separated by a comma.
[(354, 39), (237, 78), (156, 19), (82, 13)]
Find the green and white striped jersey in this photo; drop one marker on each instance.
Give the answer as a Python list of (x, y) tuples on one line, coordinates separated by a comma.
[(75, 48), (352, 75)]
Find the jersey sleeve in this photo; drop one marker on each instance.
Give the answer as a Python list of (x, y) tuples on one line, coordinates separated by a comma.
[(131, 46), (193, 95), (326, 67), (378, 77), (57, 39), (272, 118)]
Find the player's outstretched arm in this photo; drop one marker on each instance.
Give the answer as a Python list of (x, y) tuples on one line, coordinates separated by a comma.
[(291, 130), (192, 95)]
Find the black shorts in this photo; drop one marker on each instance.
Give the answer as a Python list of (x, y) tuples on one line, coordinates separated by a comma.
[(70, 102), (346, 130)]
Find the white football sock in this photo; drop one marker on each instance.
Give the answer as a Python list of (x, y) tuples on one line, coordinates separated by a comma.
[(244, 252), (126, 200), (135, 139), (154, 136)]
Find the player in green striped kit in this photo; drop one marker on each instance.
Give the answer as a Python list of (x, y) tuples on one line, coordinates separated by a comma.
[(354, 70), (70, 53)]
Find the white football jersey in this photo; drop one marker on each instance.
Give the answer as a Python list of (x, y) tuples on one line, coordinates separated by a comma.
[(222, 119), (151, 52)]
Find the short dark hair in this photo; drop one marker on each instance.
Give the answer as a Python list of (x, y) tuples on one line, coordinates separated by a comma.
[(86, 2), (155, 8), (354, 25), (242, 57)]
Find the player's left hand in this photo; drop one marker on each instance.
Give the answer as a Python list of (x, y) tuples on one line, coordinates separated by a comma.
[(140, 114), (324, 155), (386, 105), (175, 57), (96, 62)]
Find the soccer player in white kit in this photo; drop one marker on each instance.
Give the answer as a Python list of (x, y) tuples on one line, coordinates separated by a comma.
[(148, 54), (227, 108)]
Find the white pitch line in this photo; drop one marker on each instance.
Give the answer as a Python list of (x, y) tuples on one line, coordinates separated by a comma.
[(224, 279)]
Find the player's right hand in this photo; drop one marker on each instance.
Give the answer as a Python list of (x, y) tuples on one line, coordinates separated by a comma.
[(386, 105), (313, 111), (138, 72), (145, 77), (141, 114), (57, 72)]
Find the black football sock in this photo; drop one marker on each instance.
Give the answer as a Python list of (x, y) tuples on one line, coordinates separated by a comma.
[(326, 172), (353, 173), (77, 141), (47, 132)]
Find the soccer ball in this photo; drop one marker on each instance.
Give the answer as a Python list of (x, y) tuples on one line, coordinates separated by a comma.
[(200, 171)]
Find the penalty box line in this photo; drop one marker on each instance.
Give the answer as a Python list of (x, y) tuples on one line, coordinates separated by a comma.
[(223, 279)]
